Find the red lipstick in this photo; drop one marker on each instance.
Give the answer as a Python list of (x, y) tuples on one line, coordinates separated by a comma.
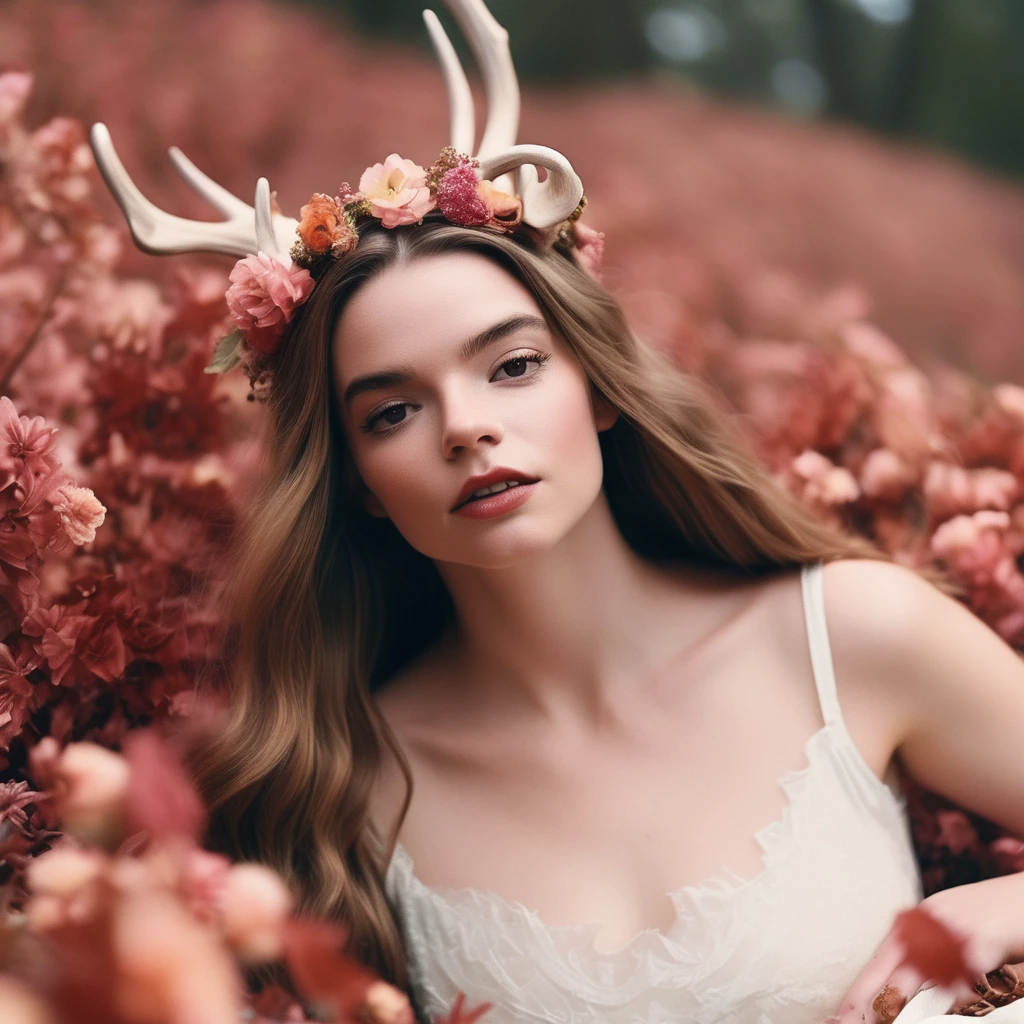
[(466, 504)]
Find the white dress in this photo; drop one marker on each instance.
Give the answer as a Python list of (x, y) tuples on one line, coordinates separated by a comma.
[(780, 948)]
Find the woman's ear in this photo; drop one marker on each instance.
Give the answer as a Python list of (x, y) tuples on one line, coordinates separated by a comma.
[(605, 414)]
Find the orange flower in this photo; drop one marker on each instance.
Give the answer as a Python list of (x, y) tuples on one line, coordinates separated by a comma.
[(323, 227)]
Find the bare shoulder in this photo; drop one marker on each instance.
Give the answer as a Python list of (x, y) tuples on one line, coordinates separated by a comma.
[(875, 608), (884, 625), (955, 686)]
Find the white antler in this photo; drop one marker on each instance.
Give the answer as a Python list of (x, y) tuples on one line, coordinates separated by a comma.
[(460, 99), (160, 233), (545, 203)]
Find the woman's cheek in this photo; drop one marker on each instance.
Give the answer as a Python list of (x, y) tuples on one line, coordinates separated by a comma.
[(397, 472), (570, 429)]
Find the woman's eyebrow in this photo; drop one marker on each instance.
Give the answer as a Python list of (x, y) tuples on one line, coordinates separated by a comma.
[(473, 347)]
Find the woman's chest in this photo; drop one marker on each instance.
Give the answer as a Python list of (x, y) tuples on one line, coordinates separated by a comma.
[(607, 828)]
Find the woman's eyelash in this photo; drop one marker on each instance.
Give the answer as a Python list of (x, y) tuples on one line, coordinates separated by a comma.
[(372, 419), (527, 356)]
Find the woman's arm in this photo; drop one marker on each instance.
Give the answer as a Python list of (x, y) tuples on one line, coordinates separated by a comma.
[(955, 691), (952, 686)]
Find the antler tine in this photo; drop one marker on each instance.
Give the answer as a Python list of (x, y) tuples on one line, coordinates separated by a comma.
[(545, 203), (266, 240), (216, 195), (160, 233), (460, 99), (489, 43)]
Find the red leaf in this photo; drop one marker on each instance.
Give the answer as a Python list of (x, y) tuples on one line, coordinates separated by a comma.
[(931, 948), (314, 953), (161, 800)]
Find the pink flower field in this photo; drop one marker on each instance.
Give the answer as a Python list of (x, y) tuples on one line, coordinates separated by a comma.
[(858, 308)]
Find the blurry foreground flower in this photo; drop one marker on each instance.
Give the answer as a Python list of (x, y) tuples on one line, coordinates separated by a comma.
[(128, 921)]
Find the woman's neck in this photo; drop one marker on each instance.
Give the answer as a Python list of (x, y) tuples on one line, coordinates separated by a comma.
[(567, 634)]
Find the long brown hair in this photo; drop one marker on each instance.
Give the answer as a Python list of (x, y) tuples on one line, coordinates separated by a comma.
[(328, 602)]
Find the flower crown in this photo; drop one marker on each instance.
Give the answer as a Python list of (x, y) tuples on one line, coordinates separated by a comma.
[(499, 189)]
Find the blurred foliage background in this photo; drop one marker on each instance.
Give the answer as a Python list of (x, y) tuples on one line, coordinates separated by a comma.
[(946, 72), (759, 167)]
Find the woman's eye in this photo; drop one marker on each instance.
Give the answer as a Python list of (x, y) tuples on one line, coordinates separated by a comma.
[(517, 366), (390, 415)]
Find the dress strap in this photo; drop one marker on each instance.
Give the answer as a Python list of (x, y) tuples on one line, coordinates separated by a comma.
[(880, 795), (817, 636)]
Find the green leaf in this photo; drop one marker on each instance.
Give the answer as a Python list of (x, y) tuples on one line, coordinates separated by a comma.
[(226, 354)]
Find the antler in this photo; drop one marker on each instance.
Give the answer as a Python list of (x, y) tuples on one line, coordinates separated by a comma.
[(545, 203), (160, 233), (251, 229)]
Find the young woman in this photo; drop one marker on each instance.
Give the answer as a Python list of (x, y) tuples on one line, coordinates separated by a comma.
[(548, 691)]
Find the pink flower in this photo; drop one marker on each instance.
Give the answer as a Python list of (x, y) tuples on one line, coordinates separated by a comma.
[(396, 191), (458, 196), (92, 787), (15, 690), (202, 881), (589, 249), (263, 296), (14, 89), (974, 546), (952, 489), (65, 871), (824, 482), (56, 634), (1009, 398), (255, 905), (464, 199), (29, 442), (867, 342), (884, 476), (80, 513)]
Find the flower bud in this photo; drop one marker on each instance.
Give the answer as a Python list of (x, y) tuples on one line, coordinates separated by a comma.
[(64, 871), (255, 904), (92, 785)]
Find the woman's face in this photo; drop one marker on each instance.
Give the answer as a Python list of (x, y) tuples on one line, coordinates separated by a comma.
[(446, 371)]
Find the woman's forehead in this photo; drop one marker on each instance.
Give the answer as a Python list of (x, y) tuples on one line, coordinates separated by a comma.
[(430, 304)]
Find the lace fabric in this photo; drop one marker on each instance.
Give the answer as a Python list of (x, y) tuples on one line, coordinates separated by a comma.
[(782, 947)]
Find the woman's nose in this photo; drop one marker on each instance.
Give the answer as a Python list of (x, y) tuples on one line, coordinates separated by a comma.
[(469, 423)]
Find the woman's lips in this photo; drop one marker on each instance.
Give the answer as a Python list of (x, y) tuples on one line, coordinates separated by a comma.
[(496, 504)]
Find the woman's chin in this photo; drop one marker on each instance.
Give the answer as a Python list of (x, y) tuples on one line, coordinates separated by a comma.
[(503, 548)]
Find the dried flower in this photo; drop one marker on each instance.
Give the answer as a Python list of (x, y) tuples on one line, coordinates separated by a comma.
[(506, 211), (80, 514), (464, 199), (458, 196)]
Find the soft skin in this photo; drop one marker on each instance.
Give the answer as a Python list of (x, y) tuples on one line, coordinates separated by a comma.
[(463, 417), (577, 663), (557, 569)]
